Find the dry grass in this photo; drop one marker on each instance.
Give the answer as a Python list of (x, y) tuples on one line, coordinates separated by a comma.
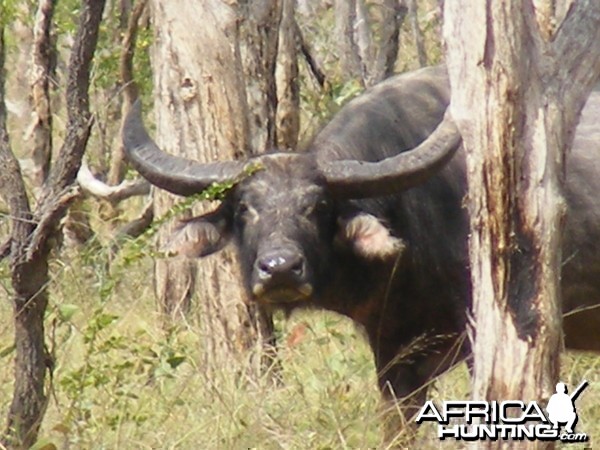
[(122, 382)]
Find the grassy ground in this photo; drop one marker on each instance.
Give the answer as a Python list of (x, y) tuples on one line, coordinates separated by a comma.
[(123, 382)]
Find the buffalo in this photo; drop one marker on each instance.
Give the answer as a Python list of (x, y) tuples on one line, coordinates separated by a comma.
[(369, 221)]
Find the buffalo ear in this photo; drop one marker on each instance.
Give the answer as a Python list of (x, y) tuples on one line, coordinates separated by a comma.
[(200, 235), (367, 237)]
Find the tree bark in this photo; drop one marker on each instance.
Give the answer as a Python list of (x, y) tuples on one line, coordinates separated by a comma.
[(203, 101), (517, 93)]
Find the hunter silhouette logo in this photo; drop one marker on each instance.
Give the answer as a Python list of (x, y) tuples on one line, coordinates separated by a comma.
[(561, 406), (510, 419)]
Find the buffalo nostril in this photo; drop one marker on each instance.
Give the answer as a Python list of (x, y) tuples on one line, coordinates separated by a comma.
[(280, 265), (270, 265), (297, 268)]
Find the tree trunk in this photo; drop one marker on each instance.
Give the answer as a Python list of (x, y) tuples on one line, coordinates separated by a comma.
[(393, 14), (40, 72), (516, 97), (213, 100), (345, 17), (31, 232), (288, 89), (417, 33), (368, 41)]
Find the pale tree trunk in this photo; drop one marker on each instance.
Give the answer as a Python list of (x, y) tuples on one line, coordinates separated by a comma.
[(257, 38), (207, 108), (40, 71), (516, 97)]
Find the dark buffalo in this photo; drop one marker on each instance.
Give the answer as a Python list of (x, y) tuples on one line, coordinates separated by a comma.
[(369, 222)]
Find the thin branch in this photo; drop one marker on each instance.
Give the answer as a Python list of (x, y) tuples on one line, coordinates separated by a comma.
[(114, 194)]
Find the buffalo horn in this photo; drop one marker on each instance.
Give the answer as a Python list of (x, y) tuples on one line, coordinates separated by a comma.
[(359, 179), (174, 174)]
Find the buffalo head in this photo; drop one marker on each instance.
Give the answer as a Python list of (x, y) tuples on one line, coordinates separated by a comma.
[(294, 211)]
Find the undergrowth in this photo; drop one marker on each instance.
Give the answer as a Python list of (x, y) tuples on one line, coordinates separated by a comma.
[(123, 380)]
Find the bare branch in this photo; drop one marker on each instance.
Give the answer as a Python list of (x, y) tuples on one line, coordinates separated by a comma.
[(79, 118), (90, 184), (48, 219)]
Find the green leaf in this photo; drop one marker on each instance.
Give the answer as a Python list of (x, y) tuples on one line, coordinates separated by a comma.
[(175, 361)]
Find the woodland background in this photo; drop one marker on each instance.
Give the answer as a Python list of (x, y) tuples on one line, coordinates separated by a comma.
[(132, 372)]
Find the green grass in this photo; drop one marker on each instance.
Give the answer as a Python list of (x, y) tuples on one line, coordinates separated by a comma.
[(123, 382)]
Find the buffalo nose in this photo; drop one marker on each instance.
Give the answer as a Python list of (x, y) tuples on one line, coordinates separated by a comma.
[(281, 264)]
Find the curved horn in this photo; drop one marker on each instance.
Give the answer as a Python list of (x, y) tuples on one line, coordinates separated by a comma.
[(359, 179), (174, 174)]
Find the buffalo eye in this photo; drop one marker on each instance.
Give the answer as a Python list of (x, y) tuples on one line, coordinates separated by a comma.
[(246, 212)]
